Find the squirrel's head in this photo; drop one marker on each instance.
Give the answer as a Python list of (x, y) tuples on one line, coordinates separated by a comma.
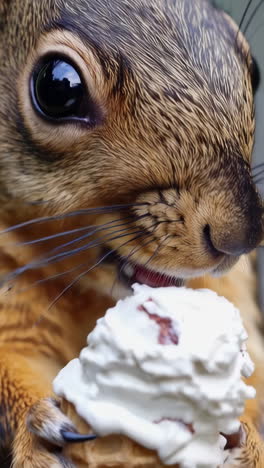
[(146, 104)]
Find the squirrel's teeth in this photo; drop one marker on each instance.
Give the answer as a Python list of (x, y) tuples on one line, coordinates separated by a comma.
[(129, 270)]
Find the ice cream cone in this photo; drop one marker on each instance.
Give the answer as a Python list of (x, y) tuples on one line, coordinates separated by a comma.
[(148, 375), (113, 451)]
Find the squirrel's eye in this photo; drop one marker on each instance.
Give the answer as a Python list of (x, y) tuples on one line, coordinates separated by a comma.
[(58, 91)]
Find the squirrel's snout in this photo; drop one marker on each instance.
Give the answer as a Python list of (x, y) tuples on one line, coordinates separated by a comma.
[(205, 234), (237, 229), (234, 242)]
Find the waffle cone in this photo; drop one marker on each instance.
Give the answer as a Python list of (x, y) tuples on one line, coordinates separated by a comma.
[(113, 451)]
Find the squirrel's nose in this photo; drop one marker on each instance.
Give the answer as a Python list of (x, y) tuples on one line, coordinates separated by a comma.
[(231, 242)]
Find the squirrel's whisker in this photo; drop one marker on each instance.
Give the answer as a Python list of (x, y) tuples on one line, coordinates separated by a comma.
[(98, 210), (253, 14), (61, 256), (132, 252), (258, 166), (242, 20), (81, 229), (259, 181), (155, 253), (81, 275), (89, 234), (258, 174), (135, 250), (49, 278)]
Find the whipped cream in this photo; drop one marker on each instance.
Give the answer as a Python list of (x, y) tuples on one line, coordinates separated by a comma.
[(164, 368)]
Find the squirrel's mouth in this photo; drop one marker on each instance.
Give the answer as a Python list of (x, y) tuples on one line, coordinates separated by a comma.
[(131, 272)]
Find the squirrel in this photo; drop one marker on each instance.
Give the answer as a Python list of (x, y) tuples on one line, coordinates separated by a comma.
[(126, 134)]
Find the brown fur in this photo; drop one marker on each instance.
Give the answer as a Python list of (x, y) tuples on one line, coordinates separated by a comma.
[(171, 83)]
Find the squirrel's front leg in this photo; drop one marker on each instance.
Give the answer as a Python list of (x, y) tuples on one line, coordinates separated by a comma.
[(30, 419)]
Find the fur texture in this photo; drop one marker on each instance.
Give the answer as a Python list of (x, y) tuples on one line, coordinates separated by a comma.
[(171, 137)]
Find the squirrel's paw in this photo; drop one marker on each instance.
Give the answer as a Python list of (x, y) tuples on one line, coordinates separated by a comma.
[(38, 442), (46, 420), (250, 453)]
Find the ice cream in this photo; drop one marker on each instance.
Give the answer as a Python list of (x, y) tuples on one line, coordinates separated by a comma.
[(163, 367)]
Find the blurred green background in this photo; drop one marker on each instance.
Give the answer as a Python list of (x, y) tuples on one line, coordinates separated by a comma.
[(254, 23)]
